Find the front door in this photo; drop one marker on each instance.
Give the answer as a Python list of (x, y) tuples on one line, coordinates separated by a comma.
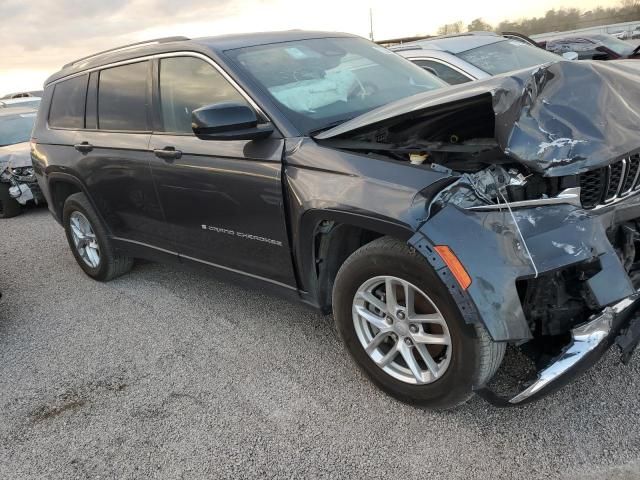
[(223, 199)]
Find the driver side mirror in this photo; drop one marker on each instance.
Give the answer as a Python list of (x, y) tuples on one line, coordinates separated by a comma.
[(228, 121)]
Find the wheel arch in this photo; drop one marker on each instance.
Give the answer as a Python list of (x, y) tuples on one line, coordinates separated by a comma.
[(326, 238), (62, 186)]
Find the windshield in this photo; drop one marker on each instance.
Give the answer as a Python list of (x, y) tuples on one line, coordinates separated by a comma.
[(16, 128), (318, 83), (506, 56), (612, 43)]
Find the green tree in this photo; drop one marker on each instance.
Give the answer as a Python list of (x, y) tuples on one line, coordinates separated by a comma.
[(479, 25), (572, 18), (456, 27)]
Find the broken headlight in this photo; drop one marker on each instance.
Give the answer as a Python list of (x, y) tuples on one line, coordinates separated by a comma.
[(496, 186), (534, 187)]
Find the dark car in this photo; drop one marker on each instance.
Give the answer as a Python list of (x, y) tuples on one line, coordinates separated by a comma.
[(18, 185), (599, 46), (438, 224)]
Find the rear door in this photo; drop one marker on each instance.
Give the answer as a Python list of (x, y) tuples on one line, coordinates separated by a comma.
[(223, 199), (116, 157)]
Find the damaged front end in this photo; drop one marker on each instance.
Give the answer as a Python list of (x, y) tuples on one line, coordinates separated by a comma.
[(16, 170), (539, 201)]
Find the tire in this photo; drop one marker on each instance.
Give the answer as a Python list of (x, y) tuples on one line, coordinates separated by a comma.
[(470, 359), (109, 264), (9, 207)]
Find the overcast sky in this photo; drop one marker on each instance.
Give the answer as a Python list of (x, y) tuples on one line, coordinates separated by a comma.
[(38, 36)]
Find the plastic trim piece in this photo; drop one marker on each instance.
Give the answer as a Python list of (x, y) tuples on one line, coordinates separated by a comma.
[(584, 339)]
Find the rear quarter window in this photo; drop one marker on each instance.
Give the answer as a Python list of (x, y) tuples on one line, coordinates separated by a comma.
[(67, 104)]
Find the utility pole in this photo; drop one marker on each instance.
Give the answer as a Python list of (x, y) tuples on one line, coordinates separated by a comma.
[(371, 24)]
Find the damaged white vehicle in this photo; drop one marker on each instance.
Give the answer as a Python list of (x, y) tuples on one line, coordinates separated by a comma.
[(18, 185)]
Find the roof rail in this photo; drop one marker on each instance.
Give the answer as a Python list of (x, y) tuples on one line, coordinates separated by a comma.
[(131, 45), (402, 48)]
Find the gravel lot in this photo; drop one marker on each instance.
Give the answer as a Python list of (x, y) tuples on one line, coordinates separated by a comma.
[(167, 373)]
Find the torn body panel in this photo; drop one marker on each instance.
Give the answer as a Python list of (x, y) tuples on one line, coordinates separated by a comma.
[(491, 245), (557, 279), (538, 117)]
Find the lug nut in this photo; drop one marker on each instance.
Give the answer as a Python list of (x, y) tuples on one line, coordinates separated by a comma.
[(408, 341), (400, 314), (389, 320), (413, 328)]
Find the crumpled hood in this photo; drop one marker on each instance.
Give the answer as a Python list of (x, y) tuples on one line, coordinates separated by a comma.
[(15, 156), (558, 119)]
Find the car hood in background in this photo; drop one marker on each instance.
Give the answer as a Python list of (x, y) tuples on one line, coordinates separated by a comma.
[(557, 119), (15, 156)]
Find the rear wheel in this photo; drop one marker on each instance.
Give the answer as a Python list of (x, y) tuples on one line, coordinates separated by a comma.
[(404, 330), (9, 207), (89, 241)]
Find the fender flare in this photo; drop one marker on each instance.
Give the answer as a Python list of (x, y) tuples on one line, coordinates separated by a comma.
[(63, 177), (304, 242)]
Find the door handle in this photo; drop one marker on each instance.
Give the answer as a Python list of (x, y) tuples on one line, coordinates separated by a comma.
[(84, 147), (168, 154)]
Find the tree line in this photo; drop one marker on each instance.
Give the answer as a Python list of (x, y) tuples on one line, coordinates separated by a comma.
[(555, 20)]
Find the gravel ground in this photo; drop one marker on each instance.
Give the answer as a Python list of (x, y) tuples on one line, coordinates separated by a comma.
[(167, 373)]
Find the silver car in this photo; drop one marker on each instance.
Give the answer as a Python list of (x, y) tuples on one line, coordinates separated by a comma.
[(471, 56), (18, 184), (21, 102)]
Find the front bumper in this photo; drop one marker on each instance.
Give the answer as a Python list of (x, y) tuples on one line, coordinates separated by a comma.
[(25, 191), (491, 246), (589, 341)]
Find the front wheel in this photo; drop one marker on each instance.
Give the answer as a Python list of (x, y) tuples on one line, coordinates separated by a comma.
[(404, 330)]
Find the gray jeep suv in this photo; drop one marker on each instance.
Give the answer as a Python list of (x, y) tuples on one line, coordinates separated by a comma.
[(438, 224)]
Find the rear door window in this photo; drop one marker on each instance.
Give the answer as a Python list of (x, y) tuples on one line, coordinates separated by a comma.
[(67, 104), (123, 98), (446, 73)]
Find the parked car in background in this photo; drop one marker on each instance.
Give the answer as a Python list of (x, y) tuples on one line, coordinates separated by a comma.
[(598, 46), (465, 57), (33, 93), (18, 185), (21, 102), (438, 223)]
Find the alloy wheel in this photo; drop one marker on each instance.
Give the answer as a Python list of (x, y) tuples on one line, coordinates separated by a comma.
[(84, 239), (402, 330)]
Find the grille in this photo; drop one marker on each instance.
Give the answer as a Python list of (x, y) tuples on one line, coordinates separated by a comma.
[(607, 184)]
